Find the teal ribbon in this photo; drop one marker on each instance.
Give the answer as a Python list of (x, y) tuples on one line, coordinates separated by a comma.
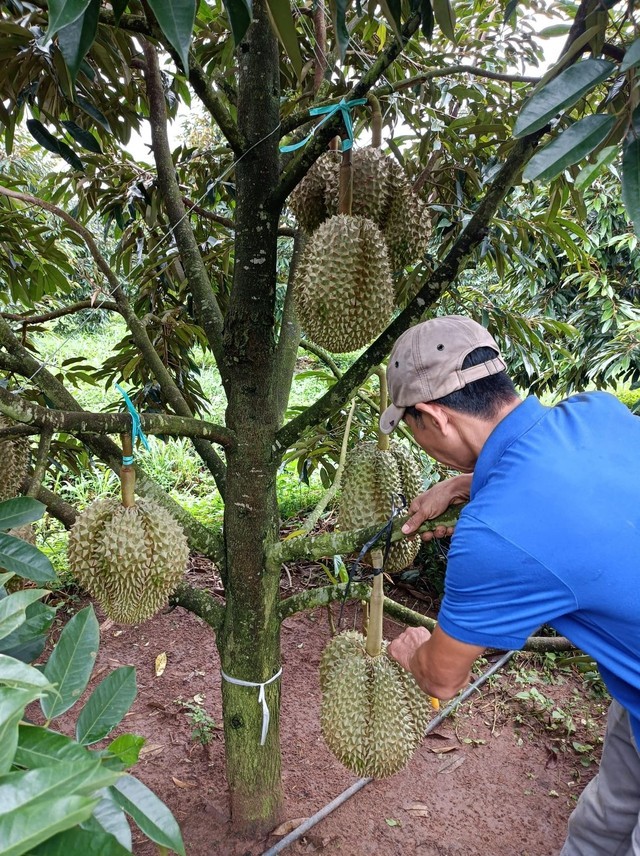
[(343, 107), (136, 428)]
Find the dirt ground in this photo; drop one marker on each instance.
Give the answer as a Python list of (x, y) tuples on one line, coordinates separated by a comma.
[(495, 779)]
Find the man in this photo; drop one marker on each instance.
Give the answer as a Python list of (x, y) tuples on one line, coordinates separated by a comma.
[(550, 535)]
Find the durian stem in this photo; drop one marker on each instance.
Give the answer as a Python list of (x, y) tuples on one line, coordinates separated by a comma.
[(374, 630), (383, 439), (345, 196), (127, 473), (376, 121)]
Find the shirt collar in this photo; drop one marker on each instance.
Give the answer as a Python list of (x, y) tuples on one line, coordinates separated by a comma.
[(514, 425)]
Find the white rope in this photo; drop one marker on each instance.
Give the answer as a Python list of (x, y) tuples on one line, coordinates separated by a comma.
[(266, 716)]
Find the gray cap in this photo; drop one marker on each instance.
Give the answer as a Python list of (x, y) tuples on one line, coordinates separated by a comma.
[(426, 363)]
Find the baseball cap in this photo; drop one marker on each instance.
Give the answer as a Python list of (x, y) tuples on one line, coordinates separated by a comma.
[(426, 363)]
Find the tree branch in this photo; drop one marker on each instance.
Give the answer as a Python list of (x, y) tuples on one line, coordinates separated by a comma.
[(109, 305), (200, 603), (40, 465), (85, 422), (318, 597), (57, 507)]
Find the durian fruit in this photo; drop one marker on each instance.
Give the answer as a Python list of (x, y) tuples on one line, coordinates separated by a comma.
[(374, 478), (405, 226), (14, 460), (315, 199), (343, 289), (129, 556), (373, 713)]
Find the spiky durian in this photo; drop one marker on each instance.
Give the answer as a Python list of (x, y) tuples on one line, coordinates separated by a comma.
[(14, 460), (315, 198), (373, 713), (343, 288), (405, 227), (373, 480), (129, 559)]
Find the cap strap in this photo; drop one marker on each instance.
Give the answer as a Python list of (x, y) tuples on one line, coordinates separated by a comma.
[(490, 367)]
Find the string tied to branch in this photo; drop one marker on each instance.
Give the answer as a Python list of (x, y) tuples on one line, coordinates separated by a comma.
[(344, 108), (136, 427)]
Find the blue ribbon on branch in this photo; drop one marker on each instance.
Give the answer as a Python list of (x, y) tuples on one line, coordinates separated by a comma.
[(343, 107), (136, 427)]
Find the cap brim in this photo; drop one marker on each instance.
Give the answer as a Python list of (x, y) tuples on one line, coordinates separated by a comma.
[(390, 419)]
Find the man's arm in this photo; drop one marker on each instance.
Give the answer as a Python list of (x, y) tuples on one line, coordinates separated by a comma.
[(439, 663), (434, 502)]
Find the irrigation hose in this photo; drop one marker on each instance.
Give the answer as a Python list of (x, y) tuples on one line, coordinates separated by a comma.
[(299, 831)]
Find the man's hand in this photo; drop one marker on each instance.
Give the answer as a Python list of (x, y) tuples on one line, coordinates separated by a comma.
[(404, 646), (434, 502)]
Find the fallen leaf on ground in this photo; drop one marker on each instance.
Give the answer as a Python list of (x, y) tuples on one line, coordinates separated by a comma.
[(180, 784), (391, 822), (441, 750), (288, 826), (453, 764), (161, 663), (150, 748), (417, 806)]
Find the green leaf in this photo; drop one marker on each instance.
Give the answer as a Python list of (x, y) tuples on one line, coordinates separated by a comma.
[(25, 560), (445, 18), (569, 147), (12, 704), (20, 511), (62, 13), (510, 11), (83, 138), (560, 93), (240, 15), (118, 7), (106, 706), (88, 843), (285, 28), (92, 111), (53, 144), (71, 663), (13, 673), (76, 38), (392, 11), (27, 641), (590, 172), (338, 14), (149, 812), (40, 747), (426, 19), (176, 21), (20, 788), (12, 609), (127, 748), (22, 830), (631, 57), (631, 181), (112, 819)]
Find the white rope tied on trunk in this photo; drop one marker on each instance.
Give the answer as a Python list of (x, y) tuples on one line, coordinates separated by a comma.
[(266, 716)]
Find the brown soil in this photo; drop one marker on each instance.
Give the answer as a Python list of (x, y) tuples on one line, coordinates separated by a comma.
[(494, 779)]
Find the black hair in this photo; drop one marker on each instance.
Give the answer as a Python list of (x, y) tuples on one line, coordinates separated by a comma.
[(483, 398)]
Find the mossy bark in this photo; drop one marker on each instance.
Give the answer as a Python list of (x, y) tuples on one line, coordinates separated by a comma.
[(249, 639)]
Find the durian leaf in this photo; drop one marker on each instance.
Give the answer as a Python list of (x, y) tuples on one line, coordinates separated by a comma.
[(92, 111), (240, 14), (27, 641), (176, 21), (569, 147), (18, 789), (76, 38), (631, 182), (149, 812), (13, 673), (12, 704), (392, 10), (71, 663), (338, 15), (83, 138), (118, 7), (107, 705), (94, 842), (589, 173), (39, 747), (20, 511), (285, 28), (631, 57), (445, 18), (111, 818), (53, 144), (62, 13), (12, 609), (25, 560), (560, 93), (4, 578), (22, 830)]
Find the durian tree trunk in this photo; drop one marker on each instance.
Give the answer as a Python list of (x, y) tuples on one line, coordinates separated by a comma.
[(249, 640)]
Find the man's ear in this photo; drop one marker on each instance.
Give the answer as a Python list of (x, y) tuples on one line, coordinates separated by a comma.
[(435, 415)]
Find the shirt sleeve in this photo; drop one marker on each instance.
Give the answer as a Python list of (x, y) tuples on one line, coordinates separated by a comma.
[(496, 594)]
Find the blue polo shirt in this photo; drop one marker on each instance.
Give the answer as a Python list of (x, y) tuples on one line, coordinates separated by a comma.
[(551, 535)]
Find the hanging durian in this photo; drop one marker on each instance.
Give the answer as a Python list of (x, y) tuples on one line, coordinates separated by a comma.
[(373, 713), (343, 288), (128, 555), (14, 460), (315, 199), (405, 227), (376, 475)]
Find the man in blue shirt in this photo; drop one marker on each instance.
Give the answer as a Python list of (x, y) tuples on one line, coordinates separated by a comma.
[(550, 535)]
